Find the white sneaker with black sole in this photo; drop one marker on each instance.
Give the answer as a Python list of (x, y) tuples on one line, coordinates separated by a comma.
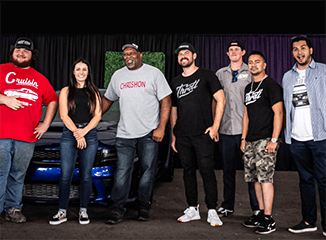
[(190, 214), (59, 218), (83, 218)]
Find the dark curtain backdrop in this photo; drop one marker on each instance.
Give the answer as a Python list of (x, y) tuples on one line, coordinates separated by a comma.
[(58, 52)]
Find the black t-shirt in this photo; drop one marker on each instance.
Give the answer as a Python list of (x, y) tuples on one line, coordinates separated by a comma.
[(259, 105), (81, 113), (193, 97)]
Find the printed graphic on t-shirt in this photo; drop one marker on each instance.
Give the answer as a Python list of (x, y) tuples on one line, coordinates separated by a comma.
[(253, 96), (186, 89), (22, 93), (133, 84), (300, 95)]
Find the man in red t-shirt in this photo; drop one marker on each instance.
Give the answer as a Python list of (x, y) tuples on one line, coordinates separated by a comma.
[(23, 90)]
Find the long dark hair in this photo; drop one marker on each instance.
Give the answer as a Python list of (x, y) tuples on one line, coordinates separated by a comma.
[(91, 89)]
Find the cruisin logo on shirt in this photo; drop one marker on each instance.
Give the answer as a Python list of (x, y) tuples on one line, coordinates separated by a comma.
[(27, 82), (185, 89)]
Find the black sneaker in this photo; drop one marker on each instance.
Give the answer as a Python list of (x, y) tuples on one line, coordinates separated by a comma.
[(267, 227), (302, 227), (223, 212), (254, 220), (143, 214), (116, 216)]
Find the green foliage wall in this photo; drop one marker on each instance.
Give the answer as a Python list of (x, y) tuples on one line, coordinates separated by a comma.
[(114, 61)]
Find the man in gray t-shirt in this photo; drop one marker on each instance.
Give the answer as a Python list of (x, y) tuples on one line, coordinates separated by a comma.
[(145, 105)]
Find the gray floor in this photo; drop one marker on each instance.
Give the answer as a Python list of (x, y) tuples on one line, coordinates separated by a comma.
[(168, 205)]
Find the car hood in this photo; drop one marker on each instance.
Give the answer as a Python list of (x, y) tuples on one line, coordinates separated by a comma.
[(106, 133)]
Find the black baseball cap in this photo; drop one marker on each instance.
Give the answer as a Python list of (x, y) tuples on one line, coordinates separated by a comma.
[(24, 42), (132, 45), (185, 45), (235, 43)]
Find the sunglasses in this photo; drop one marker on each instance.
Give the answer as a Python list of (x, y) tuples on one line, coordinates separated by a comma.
[(234, 74), (301, 36)]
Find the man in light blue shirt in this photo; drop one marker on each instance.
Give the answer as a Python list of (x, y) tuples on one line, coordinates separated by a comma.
[(304, 90)]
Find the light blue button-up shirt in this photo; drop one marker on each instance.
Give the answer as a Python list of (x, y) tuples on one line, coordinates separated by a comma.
[(316, 90)]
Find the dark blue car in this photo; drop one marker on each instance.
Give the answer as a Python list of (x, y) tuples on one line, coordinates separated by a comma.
[(43, 174)]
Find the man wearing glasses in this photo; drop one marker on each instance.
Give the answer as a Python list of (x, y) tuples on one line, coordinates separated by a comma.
[(234, 78)]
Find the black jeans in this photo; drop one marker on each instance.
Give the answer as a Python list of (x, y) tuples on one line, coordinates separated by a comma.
[(229, 147), (198, 151)]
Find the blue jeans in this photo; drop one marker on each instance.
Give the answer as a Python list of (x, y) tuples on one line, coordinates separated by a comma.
[(15, 157), (69, 153), (310, 158), (126, 151), (229, 146)]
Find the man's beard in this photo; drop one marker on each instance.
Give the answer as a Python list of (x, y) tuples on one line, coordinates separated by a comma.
[(24, 64), (190, 62)]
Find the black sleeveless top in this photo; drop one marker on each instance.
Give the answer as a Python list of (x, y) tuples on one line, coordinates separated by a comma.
[(81, 113)]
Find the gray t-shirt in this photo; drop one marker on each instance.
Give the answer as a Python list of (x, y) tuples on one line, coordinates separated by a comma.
[(139, 92)]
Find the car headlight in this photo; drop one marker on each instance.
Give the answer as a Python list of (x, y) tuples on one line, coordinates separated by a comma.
[(106, 157)]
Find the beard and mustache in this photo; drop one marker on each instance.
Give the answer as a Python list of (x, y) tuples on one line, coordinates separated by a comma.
[(186, 64), (24, 64)]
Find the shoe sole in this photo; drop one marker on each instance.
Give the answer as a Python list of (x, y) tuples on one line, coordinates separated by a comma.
[(10, 220), (58, 222), (111, 222), (143, 219), (215, 225), (265, 233), (84, 222), (250, 226), (303, 230), (185, 221)]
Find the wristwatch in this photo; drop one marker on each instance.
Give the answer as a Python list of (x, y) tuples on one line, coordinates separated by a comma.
[(274, 140)]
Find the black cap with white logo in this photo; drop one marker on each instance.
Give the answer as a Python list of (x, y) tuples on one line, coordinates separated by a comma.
[(24, 43), (184, 46)]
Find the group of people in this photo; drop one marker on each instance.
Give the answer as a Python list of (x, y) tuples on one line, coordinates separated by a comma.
[(240, 106)]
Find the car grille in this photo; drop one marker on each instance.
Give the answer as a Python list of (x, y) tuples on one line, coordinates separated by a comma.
[(50, 191), (50, 155), (50, 158), (53, 154)]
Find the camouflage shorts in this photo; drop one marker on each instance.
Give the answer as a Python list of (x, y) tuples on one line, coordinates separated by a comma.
[(259, 165)]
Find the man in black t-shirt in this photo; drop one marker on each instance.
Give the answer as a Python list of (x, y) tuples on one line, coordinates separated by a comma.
[(194, 130), (261, 127)]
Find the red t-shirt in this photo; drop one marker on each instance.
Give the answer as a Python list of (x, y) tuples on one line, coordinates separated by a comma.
[(34, 90)]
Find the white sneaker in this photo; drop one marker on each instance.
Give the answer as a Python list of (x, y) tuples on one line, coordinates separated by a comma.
[(83, 217), (190, 214), (59, 218), (213, 218)]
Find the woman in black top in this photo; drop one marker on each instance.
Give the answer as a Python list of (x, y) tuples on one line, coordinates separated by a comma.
[(80, 111)]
